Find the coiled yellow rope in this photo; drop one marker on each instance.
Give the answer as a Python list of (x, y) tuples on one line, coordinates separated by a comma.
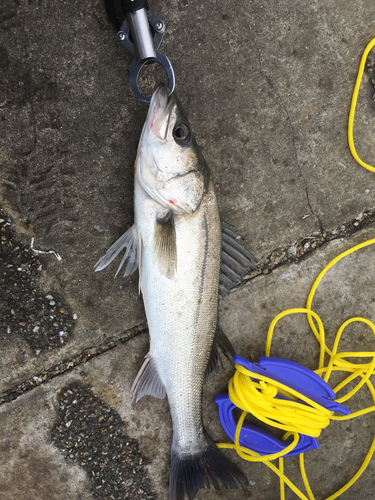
[(354, 104), (258, 396)]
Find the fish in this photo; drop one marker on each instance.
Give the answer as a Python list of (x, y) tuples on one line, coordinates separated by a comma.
[(186, 258)]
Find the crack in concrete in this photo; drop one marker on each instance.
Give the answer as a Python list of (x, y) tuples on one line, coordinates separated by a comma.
[(304, 246), (299, 166), (293, 135), (34, 125), (68, 364)]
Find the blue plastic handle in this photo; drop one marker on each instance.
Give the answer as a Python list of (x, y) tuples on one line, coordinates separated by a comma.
[(255, 438), (297, 377), (292, 375)]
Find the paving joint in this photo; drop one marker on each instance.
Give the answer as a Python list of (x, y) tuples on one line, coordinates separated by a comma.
[(305, 246), (85, 356)]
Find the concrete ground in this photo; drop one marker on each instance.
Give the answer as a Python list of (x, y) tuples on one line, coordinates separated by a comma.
[(267, 88)]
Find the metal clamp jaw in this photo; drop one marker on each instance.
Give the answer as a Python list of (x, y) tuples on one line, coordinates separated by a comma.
[(141, 34)]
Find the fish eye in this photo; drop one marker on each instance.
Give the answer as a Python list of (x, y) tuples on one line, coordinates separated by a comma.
[(181, 133)]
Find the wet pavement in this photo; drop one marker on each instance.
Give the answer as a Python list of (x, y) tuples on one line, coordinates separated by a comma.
[(267, 88)]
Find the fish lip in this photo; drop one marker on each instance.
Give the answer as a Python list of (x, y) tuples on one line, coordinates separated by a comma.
[(159, 111), (161, 92)]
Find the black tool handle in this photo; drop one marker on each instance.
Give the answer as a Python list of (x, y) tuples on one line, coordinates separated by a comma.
[(133, 5), (126, 6)]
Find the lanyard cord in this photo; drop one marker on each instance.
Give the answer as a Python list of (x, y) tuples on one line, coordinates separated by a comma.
[(258, 396), (354, 104)]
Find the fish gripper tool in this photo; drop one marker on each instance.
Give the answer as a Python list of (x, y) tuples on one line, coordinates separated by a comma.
[(288, 373), (141, 33)]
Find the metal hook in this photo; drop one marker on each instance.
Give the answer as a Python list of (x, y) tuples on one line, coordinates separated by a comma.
[(135, 69), (144, 46)]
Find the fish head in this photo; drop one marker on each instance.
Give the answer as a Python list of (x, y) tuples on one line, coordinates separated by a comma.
[(169, 164)]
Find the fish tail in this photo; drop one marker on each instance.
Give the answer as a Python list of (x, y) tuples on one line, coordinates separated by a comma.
[(190, 473)]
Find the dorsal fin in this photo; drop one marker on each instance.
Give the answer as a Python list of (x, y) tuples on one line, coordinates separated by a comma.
[(235, 260)]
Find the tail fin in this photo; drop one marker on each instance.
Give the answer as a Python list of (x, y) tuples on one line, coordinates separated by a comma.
[(190, 473)]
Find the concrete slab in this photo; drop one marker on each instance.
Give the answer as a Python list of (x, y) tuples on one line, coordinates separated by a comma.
[(343, 293), (51, 81), (72, 414), (267, 88), (43, 328), (258, 83), (272, 86), (71, 417)]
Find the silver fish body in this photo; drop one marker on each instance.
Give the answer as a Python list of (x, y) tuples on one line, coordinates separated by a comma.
[(176, 239), (182, 310)]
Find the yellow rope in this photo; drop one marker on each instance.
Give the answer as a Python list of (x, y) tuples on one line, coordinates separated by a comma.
[(354, 104), (256, 394)]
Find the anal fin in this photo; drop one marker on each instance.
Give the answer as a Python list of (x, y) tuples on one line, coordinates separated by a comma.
[(148, 381)]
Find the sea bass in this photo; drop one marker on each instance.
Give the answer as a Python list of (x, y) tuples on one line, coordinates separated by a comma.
[(176, 241)]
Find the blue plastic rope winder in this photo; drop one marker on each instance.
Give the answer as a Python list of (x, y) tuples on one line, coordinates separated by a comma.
[(288, 373)]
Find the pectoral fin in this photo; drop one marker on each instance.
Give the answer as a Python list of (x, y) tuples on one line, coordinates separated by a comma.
[(165, 248)]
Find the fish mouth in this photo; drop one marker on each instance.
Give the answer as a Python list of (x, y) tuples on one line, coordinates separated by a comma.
[(159, 112)]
